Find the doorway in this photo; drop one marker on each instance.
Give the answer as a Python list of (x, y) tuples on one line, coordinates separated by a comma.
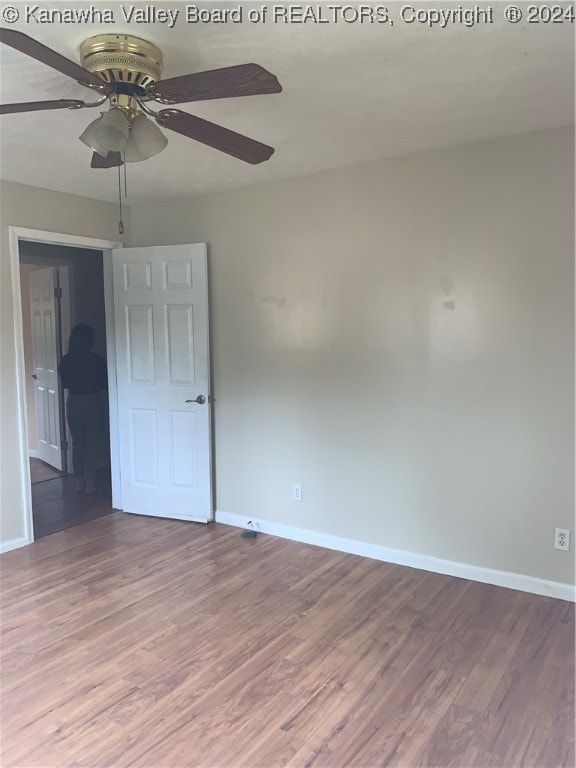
[(159, 296), (59, 286), (86, 264)]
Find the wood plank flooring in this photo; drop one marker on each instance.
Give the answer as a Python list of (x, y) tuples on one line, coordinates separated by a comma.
[(40, 471), (56, 505), (132, 641)]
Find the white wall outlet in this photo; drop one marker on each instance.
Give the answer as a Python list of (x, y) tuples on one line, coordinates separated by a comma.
[(297, 491), (562, 539)]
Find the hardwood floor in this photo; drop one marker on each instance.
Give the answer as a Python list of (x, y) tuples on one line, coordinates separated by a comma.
[(40, 471), (130, 641), (56, 505)]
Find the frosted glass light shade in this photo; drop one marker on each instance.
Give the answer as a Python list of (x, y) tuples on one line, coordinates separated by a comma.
[(88, 137), (148, 138), (131, 152), (112, 132)]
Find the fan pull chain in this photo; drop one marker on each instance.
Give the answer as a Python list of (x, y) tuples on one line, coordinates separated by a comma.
[(120, 222)]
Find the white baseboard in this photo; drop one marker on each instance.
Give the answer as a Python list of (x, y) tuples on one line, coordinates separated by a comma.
[(400, 557), (7, 546), (32, 453)]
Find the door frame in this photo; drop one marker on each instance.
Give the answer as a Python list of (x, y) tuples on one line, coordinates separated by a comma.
[(105, 247)]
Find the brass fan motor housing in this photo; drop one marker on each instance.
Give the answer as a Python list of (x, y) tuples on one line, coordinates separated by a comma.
[(122, 59)]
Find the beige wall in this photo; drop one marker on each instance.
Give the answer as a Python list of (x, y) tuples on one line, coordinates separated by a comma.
[(24, 206), (399, 338)]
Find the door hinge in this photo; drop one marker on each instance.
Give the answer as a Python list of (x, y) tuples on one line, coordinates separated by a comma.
[(64, 445), (57, 293)]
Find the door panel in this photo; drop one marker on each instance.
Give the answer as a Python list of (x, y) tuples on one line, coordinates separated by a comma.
[(45, 356), (183, 440), (140, 341), (180, 343), (162, 358), (145, 452)]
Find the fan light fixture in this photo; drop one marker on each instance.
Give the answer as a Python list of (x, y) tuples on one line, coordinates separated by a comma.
[(127, 66), (147, 137), (113, 129), (135, 138), (126, 72), (89, 138), (131, 152)]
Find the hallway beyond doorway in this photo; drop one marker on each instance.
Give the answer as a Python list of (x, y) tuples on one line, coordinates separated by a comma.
[(40, 472), (56, 505)]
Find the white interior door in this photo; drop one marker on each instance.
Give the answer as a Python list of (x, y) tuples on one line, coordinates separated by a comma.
[(45, 357), (163, 380)]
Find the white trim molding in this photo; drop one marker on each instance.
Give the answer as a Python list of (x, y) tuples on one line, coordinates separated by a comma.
[(32, 453), (10, 544), (506, 579)]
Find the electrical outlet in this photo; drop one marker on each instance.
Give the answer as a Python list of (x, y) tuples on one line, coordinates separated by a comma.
[(297, 491), (562, 539)]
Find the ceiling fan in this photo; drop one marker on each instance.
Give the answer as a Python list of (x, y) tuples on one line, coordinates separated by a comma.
[(125, 71)]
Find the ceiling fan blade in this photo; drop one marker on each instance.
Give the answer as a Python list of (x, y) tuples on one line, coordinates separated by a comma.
[(112, 160), (36, 106), (241, 80), (215, 136), (42, 53)]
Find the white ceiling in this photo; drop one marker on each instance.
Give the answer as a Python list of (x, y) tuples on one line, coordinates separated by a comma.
[(352, 93)]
